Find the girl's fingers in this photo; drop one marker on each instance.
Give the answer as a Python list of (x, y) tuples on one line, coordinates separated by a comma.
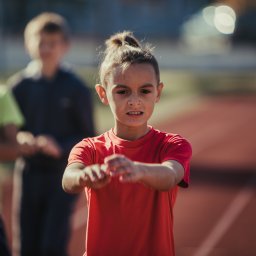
[(95, 172), (103, 168), (119, 169), (115, 160), (118, 164), (126, 178)]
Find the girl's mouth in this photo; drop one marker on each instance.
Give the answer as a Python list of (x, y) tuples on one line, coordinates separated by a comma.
[(134, 113)]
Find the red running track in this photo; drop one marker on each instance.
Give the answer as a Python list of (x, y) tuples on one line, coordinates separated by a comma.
[(215, 216)]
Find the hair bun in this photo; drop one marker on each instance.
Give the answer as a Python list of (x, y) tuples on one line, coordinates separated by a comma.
[(130, 40), (125, 38), (124, 49)]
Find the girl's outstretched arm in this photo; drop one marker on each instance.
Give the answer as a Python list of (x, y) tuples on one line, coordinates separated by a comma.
[(161, 176), (77, 176)]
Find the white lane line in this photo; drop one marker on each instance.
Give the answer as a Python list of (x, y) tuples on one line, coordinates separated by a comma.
[(228, 218)]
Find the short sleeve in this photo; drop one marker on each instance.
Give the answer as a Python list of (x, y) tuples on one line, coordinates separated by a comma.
[(10, 113), (83, 152), (179, 149)]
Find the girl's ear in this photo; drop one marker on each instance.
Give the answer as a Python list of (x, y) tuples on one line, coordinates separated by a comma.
[(101, 93), (159, 91)]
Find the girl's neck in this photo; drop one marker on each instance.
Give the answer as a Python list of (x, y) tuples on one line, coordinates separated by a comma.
[(130, 133)]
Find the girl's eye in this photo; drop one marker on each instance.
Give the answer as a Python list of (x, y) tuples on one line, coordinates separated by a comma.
[(145, 91), (121, 92)]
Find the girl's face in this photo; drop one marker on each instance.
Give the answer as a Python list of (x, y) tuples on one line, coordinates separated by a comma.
[(131, 94)]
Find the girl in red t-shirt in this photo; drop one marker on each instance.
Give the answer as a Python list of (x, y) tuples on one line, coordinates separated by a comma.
[(131, 173)]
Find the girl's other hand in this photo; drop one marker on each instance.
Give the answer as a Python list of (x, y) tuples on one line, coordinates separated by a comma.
[(94, 176), (126, 169)]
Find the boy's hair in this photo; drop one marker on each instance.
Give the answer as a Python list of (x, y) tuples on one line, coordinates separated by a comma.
[(123, 49), (46, 22)]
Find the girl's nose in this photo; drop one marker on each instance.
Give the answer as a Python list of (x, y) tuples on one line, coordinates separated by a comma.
[(134, 101)]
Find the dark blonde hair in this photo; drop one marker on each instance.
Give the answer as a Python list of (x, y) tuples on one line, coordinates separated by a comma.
[(123, 49), (47, 22)]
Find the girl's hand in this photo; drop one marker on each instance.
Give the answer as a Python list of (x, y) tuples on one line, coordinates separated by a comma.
[(127, 170), (94, 176)]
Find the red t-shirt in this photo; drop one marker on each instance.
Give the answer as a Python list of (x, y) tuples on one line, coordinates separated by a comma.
[(130, 218)]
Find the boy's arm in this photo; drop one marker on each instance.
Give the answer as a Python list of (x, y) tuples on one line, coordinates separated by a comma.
[(77, 176), (12, 147), (161, 176), (8, 145)]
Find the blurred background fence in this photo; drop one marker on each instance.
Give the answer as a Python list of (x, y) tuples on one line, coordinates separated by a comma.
[(198, 34)]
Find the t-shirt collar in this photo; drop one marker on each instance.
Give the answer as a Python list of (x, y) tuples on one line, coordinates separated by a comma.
[(130, 144)]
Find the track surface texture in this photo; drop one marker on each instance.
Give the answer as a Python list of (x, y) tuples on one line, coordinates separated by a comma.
[(215, 216)]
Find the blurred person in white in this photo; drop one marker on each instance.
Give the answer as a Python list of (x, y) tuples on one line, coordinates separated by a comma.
[(10, 148)]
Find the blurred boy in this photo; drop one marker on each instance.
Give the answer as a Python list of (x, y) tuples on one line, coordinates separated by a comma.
[(58, 112)]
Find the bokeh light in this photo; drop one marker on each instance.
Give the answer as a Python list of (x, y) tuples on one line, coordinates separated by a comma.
[(225, 19)]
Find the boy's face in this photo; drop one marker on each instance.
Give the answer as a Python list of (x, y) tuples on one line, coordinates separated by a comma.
[(132, 94), (49, 48)]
